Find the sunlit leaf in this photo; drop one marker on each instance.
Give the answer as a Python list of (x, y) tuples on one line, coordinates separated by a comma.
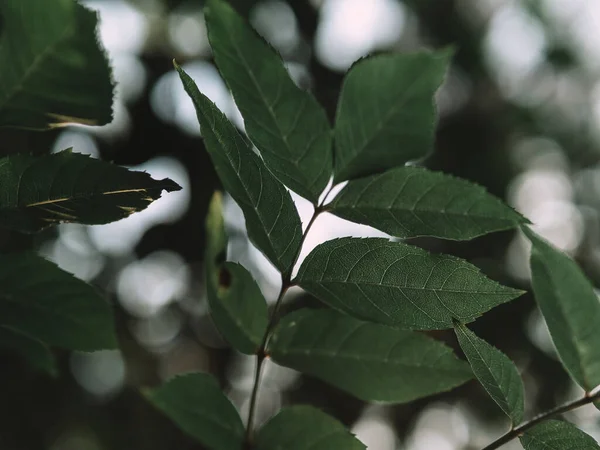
[(386, 113), (50, 305), (271, 218), (53, 70), (496, 373), (371, 361), (305, 428), (410, 201), (196, 404), (399, 284), (571, 309), (31, 350), (557, 435), (286, 123)]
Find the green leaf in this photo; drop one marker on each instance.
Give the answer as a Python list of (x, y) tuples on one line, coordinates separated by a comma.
[(557, 435), (196, 404), (50, 305), (410, 201), (53, 70), (398, 284), (272, 221), (496, 373), (287, 124), (237, 305), (371, 361), (70, 187), (386, 112), (305, 428), (571, 309), (33, 351)]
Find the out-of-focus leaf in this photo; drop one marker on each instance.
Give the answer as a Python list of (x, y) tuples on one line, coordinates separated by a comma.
[(410, 201), (557, 435), (33, 351), (398, 284), (53, 69), (287, 124), (271, 218), (371, 361), (70, 187)]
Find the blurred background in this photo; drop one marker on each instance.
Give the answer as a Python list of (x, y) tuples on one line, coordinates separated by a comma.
[(519, 113)]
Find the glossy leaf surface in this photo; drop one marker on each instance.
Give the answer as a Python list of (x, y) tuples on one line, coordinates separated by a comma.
[(557, 435)]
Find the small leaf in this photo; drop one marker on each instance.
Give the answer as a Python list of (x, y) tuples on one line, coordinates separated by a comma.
[(557, 435), (52, 306), (33, 351), (70, 187), (398, 284), (287, 124), (496, 373), (571, 309), (196, 404), (237, 305), (53, 70), (305, 428), (271, 218), (410, 201), (386, 112), (372, 362)]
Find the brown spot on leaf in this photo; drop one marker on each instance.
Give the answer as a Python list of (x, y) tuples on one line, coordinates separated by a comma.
[(224, 278)]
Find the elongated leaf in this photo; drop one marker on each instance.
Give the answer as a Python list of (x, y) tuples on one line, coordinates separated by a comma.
[(70, 187), (53, 70), (50, 305), (287, 124), (557, 435), (237, 305), (33, 351), (305, 428), (496, 373), (196, 404), (271, 218), (371, 361), (571, 309), (398, 284), (386, 114), (410, 201)]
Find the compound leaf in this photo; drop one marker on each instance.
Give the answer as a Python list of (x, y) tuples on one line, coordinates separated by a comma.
[(371, 361), (557, 435), (398, 284), (31, 350)]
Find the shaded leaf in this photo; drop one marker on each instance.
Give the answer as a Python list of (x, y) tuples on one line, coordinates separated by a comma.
[(571, 309), (410, 201), (386, 112), (53, 70), (557, 435), (496, 373), (305, 428), (196, 404), (287, 124), (399, 284), (371, 361), (50, 305), (272, 221), (71, 187), (31, 350)]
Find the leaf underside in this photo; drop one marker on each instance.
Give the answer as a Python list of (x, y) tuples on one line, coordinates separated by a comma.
[(557, 435)]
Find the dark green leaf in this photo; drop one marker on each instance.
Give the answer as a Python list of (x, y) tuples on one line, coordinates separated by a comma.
[(70, 187), (271, 218), (305, 428), (371, 361), (48, 304), (286, 123), (386, 113), (496, 373), (33, 351), (53, 70), (398, 284), (557, 435), (571, 309), (196, 404), (410, 201)]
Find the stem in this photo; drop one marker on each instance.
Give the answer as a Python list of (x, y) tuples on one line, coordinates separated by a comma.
[(517, 431)]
